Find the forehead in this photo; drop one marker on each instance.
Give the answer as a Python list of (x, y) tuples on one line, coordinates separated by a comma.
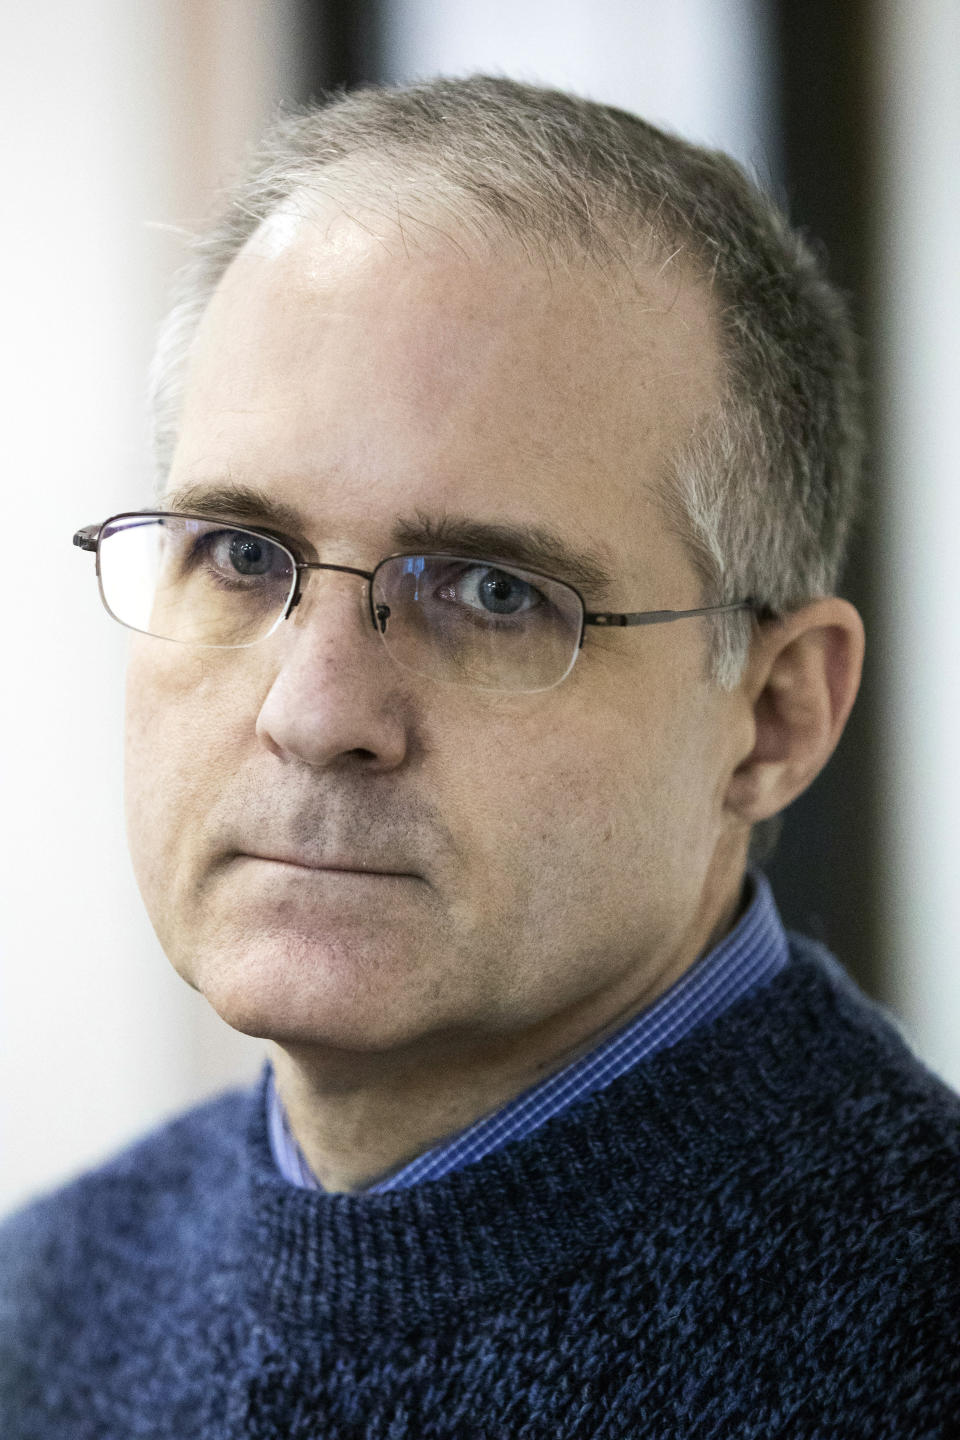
[(350, 370)]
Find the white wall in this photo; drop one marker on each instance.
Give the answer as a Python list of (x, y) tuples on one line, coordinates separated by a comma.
[(918, 295), (114, 116), (697, 66)]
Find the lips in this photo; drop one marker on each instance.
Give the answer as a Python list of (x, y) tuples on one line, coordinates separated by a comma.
[(347, 865)]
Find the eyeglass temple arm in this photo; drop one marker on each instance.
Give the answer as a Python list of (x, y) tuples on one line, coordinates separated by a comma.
[(663, 617)]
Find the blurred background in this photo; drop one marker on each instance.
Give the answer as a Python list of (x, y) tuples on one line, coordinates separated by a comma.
[(121, 121)]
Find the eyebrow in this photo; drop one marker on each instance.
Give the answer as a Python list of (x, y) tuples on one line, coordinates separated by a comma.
[(529, 546), (532, 547), (235, 502)]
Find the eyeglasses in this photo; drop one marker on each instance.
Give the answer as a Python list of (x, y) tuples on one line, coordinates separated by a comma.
[(474, 622)]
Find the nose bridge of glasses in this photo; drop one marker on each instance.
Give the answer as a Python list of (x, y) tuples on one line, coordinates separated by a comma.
[(366, 575)]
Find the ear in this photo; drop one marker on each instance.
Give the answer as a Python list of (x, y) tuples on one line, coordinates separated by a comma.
[(799, 687)]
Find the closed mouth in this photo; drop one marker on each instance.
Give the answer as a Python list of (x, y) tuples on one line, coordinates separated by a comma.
[(346, 867)]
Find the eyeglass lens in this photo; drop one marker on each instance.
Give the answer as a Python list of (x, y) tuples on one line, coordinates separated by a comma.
[(464, 621), (194, 581), (475, 623)]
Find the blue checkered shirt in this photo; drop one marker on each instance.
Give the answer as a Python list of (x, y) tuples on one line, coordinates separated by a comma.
[(750, 955)]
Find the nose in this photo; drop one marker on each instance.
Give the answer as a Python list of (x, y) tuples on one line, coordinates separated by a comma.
[(335, 696)]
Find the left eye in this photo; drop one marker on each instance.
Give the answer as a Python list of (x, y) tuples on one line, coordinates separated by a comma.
[(495, 591)]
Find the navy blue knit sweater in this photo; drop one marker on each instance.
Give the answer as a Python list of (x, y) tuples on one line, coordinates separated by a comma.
[(755, 1233)]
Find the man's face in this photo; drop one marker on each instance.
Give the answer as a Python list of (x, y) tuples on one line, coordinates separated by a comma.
[(550, 846)]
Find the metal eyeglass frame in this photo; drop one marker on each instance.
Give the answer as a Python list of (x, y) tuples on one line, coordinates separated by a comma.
[(88, 538)]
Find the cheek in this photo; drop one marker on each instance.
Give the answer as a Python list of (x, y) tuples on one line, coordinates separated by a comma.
[(533, 798), (580, 795), (577, 852), (179, 734)]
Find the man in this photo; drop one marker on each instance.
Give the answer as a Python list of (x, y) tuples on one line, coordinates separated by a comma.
[(508, 452)]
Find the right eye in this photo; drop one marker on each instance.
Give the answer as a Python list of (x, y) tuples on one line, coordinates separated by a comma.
[(232, 557), (244, 554)]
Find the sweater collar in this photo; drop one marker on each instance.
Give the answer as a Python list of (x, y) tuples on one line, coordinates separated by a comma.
[(649, 1143)]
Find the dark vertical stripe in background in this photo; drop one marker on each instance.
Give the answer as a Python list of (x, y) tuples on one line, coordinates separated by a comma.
[(823, 870), (341, 44)]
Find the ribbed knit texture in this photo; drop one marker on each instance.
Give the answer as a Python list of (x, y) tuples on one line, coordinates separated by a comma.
[(756, 1233)]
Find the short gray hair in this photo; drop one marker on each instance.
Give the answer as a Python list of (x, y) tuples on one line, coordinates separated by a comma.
[(764, 491)]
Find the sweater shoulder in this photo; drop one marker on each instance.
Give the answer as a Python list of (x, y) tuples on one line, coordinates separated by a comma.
[(804, 1098), (853, 1124), (140, 1200), (858, 1040)]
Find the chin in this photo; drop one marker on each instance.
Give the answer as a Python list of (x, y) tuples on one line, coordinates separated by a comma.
[(339, 997)]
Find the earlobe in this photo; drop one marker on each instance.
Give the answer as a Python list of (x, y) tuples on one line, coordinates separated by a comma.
[(799, 686)]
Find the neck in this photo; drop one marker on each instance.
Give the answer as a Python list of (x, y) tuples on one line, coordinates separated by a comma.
[(359, 1117)]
